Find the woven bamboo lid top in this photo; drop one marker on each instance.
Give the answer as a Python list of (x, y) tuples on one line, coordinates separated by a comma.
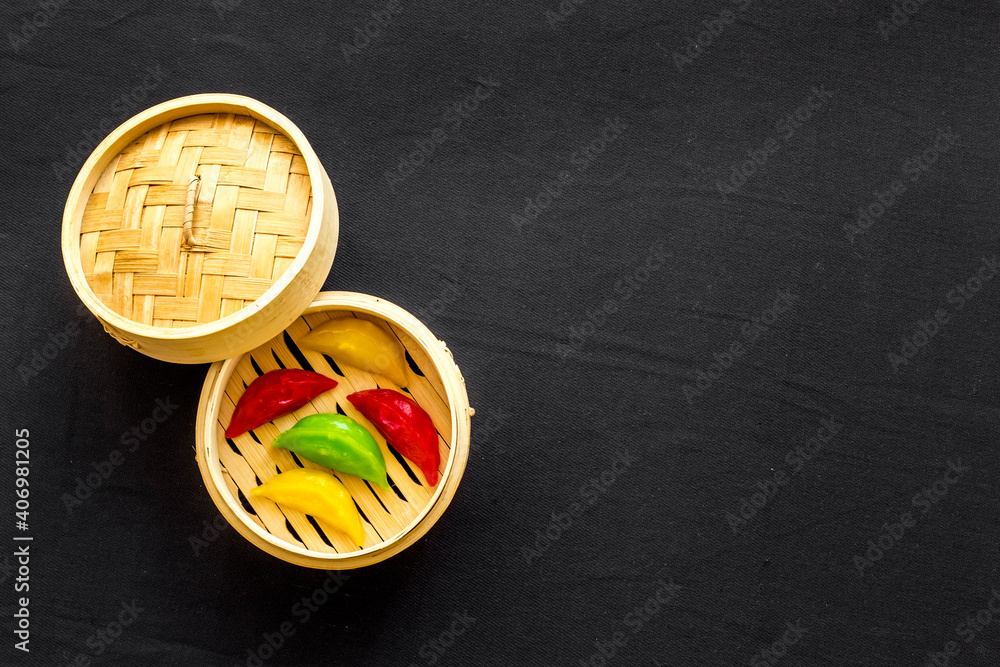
[(252, 206)]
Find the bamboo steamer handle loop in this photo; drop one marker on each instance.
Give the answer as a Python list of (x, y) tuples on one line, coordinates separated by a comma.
[(211, 240), (188, 238)]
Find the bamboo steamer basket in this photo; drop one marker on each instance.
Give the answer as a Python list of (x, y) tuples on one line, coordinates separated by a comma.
[(200, 228), (394, 519)]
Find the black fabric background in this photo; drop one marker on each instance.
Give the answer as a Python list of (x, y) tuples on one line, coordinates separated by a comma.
[(559, 414)]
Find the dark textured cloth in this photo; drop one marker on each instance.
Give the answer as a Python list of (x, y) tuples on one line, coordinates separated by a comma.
[(720, 277)]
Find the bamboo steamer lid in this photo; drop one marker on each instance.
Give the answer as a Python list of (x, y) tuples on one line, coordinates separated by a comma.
[(392, 520), (200, 228)]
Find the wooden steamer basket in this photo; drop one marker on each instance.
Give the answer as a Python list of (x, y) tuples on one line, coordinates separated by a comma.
[(200, 228), (392, 520)]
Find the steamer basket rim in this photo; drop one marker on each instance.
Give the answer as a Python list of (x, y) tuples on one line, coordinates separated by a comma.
[(180, 107), (460, 412)]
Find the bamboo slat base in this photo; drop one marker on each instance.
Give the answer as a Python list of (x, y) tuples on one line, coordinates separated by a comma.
[(392, 519)]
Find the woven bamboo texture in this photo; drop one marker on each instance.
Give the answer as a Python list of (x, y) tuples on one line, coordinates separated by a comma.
[(248, 460), (251, 218)]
